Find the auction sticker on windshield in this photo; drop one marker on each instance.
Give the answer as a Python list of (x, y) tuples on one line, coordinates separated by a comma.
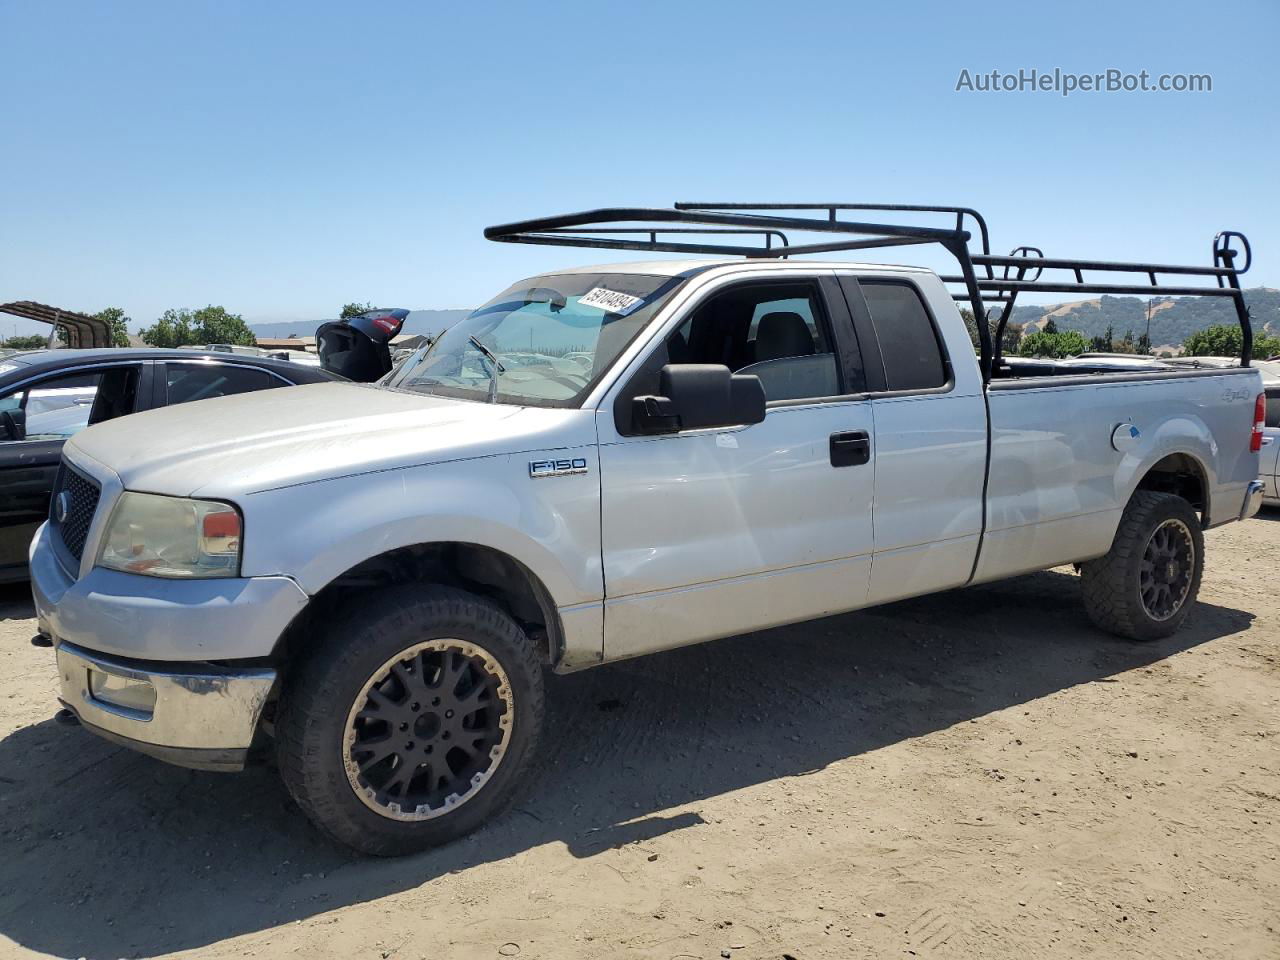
[(610, 300)]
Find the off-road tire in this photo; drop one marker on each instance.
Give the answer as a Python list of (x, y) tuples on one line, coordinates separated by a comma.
[(319, 693), (1112, 585)]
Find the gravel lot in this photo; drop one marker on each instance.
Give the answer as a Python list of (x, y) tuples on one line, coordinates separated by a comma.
[(977, 774)]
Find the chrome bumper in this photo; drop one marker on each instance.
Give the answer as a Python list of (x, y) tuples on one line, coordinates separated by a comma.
[(1252, 499), (194, 715)]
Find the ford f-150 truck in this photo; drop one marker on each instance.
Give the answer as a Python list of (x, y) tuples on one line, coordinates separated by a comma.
[(604, 462)]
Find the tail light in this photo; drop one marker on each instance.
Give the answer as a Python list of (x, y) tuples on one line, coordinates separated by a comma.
[(1259, 421)]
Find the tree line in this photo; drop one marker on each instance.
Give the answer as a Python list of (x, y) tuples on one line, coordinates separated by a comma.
[(174, 328), (214, 324), (1221, 340)]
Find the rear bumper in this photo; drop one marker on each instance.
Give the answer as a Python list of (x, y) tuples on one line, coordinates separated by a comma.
[(194, 715), (1252, 499)]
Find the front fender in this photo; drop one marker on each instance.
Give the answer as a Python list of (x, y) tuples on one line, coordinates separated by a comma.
[(316, 531)]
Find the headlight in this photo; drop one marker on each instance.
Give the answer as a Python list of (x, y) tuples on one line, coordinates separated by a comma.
[(172, 537)]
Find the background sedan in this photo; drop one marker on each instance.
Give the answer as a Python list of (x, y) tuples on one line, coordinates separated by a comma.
[(48, 395)]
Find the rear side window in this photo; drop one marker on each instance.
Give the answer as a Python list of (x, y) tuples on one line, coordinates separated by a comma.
[(908, 341), (186, 382)]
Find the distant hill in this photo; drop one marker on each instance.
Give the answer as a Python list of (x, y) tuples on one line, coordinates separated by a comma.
[(418, 321), (1172, 320)]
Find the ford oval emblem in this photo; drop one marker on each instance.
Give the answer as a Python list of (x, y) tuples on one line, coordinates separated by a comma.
[(62, 506)]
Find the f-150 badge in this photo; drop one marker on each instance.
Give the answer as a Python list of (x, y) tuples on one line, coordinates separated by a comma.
[(556, 468)]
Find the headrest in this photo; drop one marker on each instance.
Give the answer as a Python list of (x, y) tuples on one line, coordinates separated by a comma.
[(782, 334)]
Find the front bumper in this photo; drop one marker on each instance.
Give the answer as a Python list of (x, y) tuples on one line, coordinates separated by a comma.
[(133, 655), (1252, 499), (194, 715)]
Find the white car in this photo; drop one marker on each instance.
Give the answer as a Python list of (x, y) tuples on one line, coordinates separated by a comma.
[(1270, 467), (372, 577), (1270, 474)]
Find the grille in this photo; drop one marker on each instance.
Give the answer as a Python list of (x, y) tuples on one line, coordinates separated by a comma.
[(81, 498)]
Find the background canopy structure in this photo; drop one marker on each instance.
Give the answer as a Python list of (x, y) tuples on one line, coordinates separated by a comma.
[(78, 329)]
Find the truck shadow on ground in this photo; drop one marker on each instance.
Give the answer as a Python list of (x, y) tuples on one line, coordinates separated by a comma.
[(104, 853), (15, 602)]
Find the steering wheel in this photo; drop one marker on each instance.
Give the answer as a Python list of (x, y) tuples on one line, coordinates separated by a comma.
[(10, 425)]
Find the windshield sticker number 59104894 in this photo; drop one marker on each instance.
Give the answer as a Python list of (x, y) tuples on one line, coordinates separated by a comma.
[(611, 301)]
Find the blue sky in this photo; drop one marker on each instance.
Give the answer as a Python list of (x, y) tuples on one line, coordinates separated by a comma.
[(281, 159)]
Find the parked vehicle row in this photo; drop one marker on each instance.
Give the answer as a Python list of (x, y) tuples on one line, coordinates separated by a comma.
[(601, 463)]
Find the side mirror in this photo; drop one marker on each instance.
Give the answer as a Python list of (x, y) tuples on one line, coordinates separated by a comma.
[(694, 396)]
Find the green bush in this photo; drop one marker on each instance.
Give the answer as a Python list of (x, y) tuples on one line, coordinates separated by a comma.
[(33, 342), (1226, 340), (1058, 345), (181, 328)]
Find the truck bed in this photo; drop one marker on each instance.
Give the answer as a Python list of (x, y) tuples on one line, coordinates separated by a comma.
[(1054, 489)]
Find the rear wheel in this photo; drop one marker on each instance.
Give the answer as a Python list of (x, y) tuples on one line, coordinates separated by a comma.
[(1145, 586), (413, 721)]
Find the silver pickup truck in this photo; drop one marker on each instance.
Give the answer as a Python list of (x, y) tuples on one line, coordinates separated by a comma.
[(604, 462)]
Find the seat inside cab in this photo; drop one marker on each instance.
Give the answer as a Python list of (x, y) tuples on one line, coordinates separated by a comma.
[(775, 331)]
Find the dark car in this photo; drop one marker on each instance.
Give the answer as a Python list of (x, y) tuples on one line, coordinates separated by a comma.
[(48, 395)]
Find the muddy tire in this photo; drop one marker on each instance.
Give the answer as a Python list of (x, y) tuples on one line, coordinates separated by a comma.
[(412, 720), (1145, 587)]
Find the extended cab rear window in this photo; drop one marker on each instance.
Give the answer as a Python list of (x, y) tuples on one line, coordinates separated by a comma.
[(908, 340)]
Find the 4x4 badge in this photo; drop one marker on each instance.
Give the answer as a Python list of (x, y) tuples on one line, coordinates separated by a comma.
[(556, 468)]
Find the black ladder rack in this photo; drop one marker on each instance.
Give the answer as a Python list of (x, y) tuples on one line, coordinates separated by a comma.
[(978, 283)]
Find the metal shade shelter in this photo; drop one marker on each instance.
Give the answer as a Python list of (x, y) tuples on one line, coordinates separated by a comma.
[(78, 329), (978, 284)]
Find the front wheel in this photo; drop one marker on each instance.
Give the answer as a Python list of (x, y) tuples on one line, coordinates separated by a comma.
[(1145, 587), (413, 721)]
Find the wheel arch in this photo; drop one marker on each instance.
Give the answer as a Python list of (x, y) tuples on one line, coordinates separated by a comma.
[(1181, 473), (1176, 454), (475, 567)]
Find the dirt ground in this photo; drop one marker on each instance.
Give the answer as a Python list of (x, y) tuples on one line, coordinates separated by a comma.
[(977, 774)]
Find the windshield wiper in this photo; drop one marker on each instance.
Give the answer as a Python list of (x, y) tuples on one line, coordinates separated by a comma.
[(491, 361)]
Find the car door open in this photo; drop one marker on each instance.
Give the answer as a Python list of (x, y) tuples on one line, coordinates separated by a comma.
[(35, 421)]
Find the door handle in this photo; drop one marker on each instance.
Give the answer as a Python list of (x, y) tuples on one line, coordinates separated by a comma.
[(850, 449)]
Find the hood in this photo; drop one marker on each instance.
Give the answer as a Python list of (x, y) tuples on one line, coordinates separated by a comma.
[(250, 442)]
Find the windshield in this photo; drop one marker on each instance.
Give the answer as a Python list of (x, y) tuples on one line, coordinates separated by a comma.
[(543, 342)]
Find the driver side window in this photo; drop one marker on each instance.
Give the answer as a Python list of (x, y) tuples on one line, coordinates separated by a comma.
[(60, 406), (776, 331)]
